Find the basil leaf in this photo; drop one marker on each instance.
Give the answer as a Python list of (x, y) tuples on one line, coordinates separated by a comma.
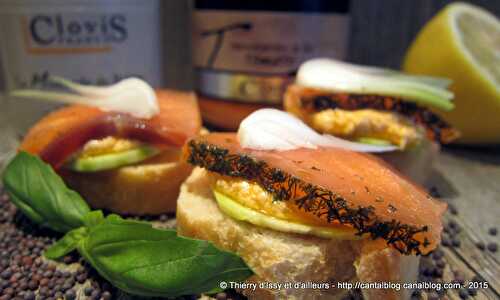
[(142, 260), (93, 218), (67, 244), (42, 195)]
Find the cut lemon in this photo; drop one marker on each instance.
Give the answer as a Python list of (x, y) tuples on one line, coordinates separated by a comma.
[(462, 42)]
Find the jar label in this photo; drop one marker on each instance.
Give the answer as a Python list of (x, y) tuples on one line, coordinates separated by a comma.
[(91, 44), (251, 56)]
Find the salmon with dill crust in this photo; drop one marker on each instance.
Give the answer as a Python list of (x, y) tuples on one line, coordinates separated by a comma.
[(332, 187), (308, 103), (147, 187)]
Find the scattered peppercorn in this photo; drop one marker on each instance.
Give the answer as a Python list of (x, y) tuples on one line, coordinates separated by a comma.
[(493, 247), (453, 225), (437, 254), (459, 277), (440, 264), (472, 292), (96, 294), (433, 191), (24, 273), (438, 272), (106, 295), (221, 296), (88, 291), (70, 295), (432, 296), (455, 242), (492, 231), (481, 246), (68, 259), (29, 295), (463, 293), (445, 241), (416, 293), (453, 209)]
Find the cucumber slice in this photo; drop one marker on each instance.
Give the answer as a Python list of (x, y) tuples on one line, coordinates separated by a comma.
[(242, 213), (373, 141), (112, 160)]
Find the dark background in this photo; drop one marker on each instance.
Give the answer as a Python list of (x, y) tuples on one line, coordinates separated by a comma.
[(381, 31)]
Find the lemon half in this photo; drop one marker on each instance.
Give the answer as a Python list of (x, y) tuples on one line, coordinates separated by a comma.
[(462, 42)]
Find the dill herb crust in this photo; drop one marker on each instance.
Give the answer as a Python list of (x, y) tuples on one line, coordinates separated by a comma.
[(308, 197)]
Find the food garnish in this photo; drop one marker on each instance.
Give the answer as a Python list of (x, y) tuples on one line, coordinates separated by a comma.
[(142, 260), (132, 96), (334, 75), (41, 194), (272, 129), (132, 255)]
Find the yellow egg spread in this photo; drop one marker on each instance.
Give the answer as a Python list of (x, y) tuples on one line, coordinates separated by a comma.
[(367, 123), (251, 196), (107, 145)]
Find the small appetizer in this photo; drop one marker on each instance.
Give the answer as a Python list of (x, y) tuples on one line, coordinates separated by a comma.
[(375, 106), (299, 208), (120, 146)]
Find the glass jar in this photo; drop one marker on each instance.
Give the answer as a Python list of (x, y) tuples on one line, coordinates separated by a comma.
[(246, 53)]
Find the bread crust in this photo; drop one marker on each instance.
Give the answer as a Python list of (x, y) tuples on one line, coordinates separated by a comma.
[(283, 257)]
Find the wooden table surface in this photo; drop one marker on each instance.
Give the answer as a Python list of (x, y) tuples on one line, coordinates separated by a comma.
[(469, 179)]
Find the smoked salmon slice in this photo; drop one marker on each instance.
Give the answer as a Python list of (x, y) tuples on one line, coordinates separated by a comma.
[(334, 186), (63, 132)]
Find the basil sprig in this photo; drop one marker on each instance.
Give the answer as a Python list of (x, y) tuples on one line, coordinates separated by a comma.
[(41, 194), (132, 255), (70, 241), (142, 260)]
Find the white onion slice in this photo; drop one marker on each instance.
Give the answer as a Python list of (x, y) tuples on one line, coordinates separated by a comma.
[(334, 75), (272, 129), (132, 95)]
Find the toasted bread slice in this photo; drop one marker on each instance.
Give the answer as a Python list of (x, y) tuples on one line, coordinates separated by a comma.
[(285, 257), (150, 187)]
